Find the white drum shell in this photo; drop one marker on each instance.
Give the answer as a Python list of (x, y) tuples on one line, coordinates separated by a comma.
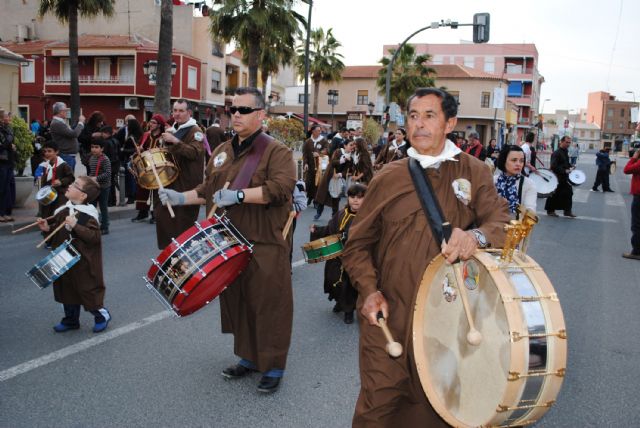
[(577, 177)]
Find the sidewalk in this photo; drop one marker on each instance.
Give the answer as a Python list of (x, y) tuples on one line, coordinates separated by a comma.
[(27, 214)]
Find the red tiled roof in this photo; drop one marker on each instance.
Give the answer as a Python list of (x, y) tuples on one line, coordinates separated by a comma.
[(443, 71), (30, 47), (8, 54), (108, 41), (361, 71)]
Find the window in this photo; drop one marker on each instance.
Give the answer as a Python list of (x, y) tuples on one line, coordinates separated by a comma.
[(363, 97), (65, 69), (436, 60), (28, 72), (609, 112), (622, 112), (456, 95), (515, 89), (609, 125), (591, 134), (244, 79), (621, 125), (485, 99), (300, 98), (103, 69), (216, 80), (490, 65), (126, 70), (468, 61), (217, 49), (192, 78)]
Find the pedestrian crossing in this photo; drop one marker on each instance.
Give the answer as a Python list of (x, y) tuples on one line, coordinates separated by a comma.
[(611, 199)]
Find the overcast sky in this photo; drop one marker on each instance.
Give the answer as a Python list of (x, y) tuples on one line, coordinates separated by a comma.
[(584, 45)]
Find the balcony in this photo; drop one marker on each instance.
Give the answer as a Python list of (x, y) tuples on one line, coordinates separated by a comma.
[(91, 80), (523, 121)]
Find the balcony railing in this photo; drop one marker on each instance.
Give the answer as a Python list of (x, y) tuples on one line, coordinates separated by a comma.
[(92, 80)]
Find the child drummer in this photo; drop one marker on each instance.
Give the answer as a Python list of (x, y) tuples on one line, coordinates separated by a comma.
[(336, 281), (83, 284), (55, 173)]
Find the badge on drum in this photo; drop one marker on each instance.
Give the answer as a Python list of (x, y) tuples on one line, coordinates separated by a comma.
[(448, 291), (471, 275), (198, 136), (219, 160), (462, 190)]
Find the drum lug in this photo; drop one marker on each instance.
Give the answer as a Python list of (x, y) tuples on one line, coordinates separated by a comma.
[(501, 408), (516, 336), (514, 376), (509, 299), (158, 296)]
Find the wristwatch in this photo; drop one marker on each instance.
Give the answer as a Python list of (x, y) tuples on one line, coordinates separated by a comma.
[(240, 196), (480, 238)]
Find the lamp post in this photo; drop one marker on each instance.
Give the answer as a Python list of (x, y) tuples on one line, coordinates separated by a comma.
[(632, 93), (306, 68), (332, 95), (371, 107), (150, 69), (542, 109)]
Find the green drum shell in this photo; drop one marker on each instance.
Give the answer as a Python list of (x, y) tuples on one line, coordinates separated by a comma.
[(319, 254)]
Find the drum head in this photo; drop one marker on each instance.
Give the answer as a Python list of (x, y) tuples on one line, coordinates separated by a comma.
[(577, 177), (545, 181)]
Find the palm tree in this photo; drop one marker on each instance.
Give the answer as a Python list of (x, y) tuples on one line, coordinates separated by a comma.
[(249, 22), (67, 11), (409, 72), (162, 100), (325, 64), (274, 52)]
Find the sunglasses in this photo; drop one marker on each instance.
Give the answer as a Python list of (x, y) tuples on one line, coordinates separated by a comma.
[(243, 110)]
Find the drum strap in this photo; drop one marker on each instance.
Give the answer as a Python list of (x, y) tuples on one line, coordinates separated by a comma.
[(439, 226), (258, 146)]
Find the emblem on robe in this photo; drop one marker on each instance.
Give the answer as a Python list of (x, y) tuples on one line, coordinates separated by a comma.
[(218, 161), (198, 136), (462, 190)]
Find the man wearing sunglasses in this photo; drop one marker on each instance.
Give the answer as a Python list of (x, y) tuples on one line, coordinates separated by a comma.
[(185, 142), (257, 308)]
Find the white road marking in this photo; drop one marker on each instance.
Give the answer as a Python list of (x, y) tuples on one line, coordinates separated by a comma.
[(614, 199), (580, 195), (89, 343)]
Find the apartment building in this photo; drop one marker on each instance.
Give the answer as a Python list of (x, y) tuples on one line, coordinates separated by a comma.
[(612, 116)]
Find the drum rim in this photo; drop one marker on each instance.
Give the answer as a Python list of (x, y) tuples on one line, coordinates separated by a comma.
[(323, 242)]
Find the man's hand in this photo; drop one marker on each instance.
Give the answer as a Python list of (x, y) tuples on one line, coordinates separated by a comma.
[(225, 197), (312, 228), (171, 196), (168, 137), (70, 222), (461, 245), (374, 303), (82, 119), (315, 154)]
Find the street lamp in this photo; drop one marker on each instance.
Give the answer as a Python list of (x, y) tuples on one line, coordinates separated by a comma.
[(542, 109), (371, 106), (332, 95), (632, 93), (150, 69)]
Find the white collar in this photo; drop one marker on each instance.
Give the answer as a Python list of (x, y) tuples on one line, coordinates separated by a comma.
[(187, 124), (59, 118), (49, 168), (89, 209), (320, 137), (448, 153)]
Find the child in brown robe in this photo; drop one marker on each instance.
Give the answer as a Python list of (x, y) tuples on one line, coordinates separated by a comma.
[(336, 281), (55, 173), (83, 283)]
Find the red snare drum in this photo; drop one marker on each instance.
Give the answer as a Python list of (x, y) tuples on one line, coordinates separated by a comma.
[(197, 266)]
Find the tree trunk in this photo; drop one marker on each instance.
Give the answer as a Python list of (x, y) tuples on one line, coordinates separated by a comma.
[(316, 95), (74, 84), (254, 46), (162, 102)]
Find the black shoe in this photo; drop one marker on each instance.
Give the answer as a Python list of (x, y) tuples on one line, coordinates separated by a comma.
[(609, 190), (237, 371), (140, 217), (152, 220), (631, 256), (552, 214), (131, 201), (570, 215), (336, 308), (269, 384), (104, 231), (348, 317)]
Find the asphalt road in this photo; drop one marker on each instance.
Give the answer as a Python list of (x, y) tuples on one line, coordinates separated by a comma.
[(150, 369)]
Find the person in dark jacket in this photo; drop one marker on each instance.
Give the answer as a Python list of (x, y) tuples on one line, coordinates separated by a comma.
[(604, 167), (562, 198), (7, 163)]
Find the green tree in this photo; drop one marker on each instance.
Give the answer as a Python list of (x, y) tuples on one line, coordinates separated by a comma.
[(325, 64), (67, 12), (253, 24), (409, 72), (274, 52), (23, 139), (162, 99)]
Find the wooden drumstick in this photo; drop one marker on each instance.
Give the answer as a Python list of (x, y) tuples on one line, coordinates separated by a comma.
[(56, 230), (213, 209), (35, 223), (474, 337), (160, 186), (394, 349), (287, 226)]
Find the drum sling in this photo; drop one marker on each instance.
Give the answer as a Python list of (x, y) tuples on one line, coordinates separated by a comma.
[(256, 151)]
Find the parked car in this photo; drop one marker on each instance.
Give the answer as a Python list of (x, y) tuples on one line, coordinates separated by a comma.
[(633, 147)]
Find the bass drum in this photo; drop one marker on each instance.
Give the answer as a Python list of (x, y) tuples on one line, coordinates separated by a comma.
[(545, 181), (514, 375), (577, 177)]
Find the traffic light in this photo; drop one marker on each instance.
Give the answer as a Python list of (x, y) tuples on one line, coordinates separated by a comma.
[(481, 28)]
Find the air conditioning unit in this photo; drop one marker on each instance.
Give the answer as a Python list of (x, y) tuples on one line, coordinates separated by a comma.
[(131, 103)]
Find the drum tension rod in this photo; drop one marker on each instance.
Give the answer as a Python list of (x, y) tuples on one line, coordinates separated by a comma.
[(516, 425), (513, 376), (516, 336), (501, 408), (508, 299)]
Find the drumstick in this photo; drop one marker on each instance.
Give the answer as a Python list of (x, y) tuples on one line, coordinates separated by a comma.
[(160, 186), (394, 349), (51, 234), (287, 226), (474, 337), (35, 223), (213, 209)]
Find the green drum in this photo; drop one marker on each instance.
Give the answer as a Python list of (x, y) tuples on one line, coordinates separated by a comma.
[(323, 249)]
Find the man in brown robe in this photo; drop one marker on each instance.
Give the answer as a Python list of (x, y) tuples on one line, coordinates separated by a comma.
[(215, 135), (185, 143), (391, 244), (311, 150), (257, 308)]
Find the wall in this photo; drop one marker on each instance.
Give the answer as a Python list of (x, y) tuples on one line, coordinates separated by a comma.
[(9, 78)]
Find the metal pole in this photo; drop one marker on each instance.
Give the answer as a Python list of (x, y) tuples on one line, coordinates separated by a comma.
[(333, 125), (306, 69)]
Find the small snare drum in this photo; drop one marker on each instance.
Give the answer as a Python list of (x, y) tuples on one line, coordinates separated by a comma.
[(46, 195), (323, 249), (52, 267)]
